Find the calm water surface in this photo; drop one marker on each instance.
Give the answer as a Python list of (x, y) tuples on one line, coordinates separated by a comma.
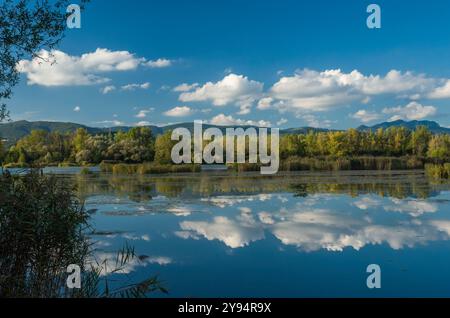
[(293, 235)]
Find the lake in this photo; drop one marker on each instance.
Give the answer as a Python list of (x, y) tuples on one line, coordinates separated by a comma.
[(216, 234)]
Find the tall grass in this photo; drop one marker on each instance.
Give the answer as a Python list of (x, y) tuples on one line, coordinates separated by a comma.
[(338, 164), (43, 229), (41, 232), (289, 164), (438, 171), (147, 168)]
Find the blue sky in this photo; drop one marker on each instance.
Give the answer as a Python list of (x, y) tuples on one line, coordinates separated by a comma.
[(280, 63)]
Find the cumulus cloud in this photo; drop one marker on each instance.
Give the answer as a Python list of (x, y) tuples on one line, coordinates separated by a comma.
[(223, 120), (412, 111), (57, 68), (366, 116), (77, 109), (159, 63), (441, 91), (179, 111), (232, 89), (265, 103), (310, 90)]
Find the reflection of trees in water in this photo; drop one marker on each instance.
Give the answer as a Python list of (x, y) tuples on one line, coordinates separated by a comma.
[(399, 185), (142, 188), (133, 188), (396, 190)]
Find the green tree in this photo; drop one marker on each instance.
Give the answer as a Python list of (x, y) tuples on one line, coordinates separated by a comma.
[(353, 142), (419, 141), (337, 143), (292, 145), (163, 148), (133, 147), (439, 147), (79, 139), (96, 149)]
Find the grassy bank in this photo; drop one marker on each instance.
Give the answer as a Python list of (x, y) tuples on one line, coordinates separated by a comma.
[(290, 164), (340, 164), (328, 163), (147, 168)]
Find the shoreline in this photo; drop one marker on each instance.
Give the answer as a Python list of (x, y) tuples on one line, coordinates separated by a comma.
[(95, 170)]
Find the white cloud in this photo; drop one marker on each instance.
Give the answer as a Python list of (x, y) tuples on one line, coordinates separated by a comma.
[(179, 111), (223, 120), (232, 89), (142, 123), (185, 87), (441, 92), (132, 87), (282, 121), (412, 111), (143, 113), (57, 68), (315, 122), (159, 63), (310, 90), (107, 89), (394, 82), (265, 103), (366, 116), (77, 109)]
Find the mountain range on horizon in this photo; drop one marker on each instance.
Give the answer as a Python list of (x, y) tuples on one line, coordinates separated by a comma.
[(13, 131)]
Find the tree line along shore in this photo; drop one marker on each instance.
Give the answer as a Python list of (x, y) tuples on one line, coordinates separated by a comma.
[(139, 151)]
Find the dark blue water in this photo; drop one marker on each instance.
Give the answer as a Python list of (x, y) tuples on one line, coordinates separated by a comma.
[(295, 235)]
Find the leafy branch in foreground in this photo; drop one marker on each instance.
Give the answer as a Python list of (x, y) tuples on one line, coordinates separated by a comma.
[(27, 27)]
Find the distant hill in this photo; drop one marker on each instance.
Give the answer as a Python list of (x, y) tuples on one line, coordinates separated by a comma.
[(13, 131), (433, 126)]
